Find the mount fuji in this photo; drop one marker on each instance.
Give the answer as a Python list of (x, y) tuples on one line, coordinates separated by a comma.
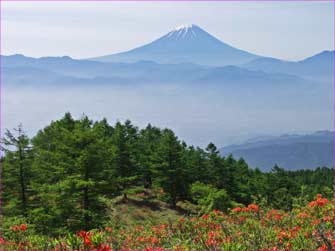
[(185, 44)]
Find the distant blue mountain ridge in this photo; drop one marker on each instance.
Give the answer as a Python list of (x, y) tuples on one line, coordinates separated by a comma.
[(319, 66), (291, 152), (20, 70)]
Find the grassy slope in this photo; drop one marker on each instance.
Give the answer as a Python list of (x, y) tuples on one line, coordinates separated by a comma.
[(139, 210)]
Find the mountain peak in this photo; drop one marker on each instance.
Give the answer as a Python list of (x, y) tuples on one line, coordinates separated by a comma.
[(185, 44), (186, 26), (185, 31)]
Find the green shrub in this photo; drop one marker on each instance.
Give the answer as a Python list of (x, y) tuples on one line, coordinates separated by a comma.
[(209, 197)]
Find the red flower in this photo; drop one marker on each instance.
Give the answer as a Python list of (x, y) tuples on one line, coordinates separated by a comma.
[(82, 234), (253, 207), (320, 202), (154, 240), (86, 236), (323, 248), (237, 209), (141, 239), (303, 215), (327, 218), (23, 227), (316, 222), (205, 216), (87, 241), (210, 242), (283, 235), (104, 247)]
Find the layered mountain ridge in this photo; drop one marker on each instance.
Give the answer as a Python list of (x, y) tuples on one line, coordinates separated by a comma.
[(296, 151)]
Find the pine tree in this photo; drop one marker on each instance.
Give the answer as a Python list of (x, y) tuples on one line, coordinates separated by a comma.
[(168, 167), (75, 166), (16, 173), (216, 169), (195, 165), (125, 152), (149, 139)]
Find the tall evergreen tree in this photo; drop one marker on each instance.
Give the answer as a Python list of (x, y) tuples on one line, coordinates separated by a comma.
[(216, 169), (75, 164), (149, 139), (125, 152), (16, 173), (168, 168)]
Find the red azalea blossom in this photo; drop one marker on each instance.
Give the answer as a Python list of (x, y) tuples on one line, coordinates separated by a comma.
[(87, 242), (303, 215), (283, 235), (253, 207), (316, 222), (205, 216), (86, 237), (154, 240), (103, 247), (237, 209), (323, 248), (23, 227), (83, 234), (319, 202)]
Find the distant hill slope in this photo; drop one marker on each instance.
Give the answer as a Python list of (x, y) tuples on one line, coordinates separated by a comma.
[(319, 66), (291, 152), (185, 44), (21, 70)]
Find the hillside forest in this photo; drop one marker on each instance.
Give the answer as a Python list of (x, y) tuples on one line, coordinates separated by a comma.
[(77, 177)]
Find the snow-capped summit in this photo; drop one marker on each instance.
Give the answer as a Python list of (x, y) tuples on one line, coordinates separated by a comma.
[(185, 30), (185, 44), (186, 26)]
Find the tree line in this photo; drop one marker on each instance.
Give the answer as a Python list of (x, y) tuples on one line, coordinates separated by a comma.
[(64, 177)]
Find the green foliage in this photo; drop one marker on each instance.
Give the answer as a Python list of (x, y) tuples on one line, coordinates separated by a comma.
[(65, 177), (209, 197), (124, 142), (168, 167), (17, 170)]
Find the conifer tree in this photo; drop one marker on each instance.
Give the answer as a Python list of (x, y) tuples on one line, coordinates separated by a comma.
[(16, 173), (125, 152), (149, 139), (168, 169)]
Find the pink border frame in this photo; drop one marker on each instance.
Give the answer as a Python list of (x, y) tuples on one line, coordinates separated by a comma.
[(167, 1), (270, 1)]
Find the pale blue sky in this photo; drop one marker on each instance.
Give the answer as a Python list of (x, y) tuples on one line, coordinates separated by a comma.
[(284, 30)]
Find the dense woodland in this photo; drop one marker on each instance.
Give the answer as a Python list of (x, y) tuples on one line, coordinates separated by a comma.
[(64, 177)]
